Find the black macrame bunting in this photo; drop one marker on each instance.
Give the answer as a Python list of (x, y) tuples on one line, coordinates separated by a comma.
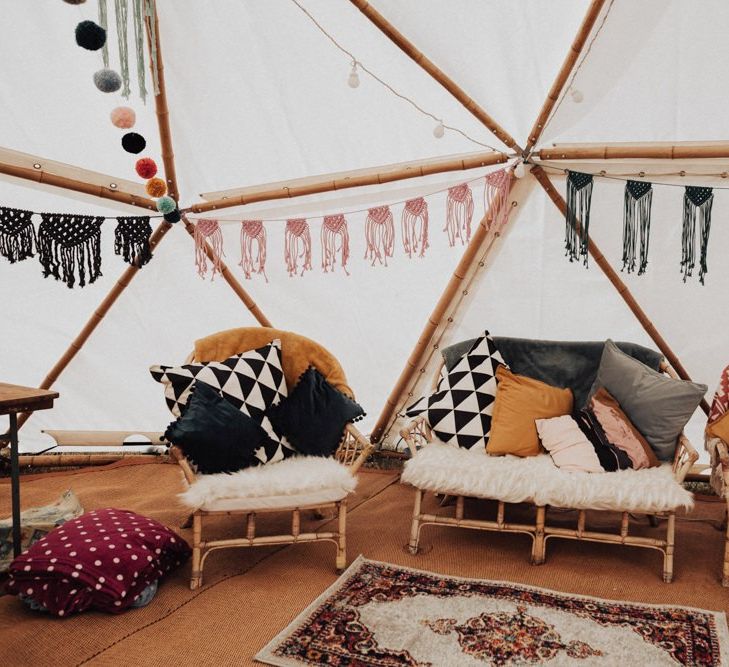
[(577, 218), (696, 201), (636, 224), (17, 234), (131, 239), (68, 243)]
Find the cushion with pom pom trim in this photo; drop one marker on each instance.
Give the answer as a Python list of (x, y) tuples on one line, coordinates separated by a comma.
[(314, 415)]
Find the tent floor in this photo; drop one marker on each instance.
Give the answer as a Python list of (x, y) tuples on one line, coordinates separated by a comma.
[(251, 594)]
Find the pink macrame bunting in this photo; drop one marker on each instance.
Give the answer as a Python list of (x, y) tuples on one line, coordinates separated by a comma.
[(208, 231), (459, 214), (297, 242), (379, 234), (252, 232), (415, 227), (496, 195), (333, 230)]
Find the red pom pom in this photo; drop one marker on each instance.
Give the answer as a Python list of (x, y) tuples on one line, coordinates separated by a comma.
[(146, 167)]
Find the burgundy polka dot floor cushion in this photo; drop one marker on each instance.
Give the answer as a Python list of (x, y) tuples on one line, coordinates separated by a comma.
[(102, 560)]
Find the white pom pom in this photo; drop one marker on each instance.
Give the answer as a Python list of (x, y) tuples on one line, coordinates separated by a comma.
[(520, 170)]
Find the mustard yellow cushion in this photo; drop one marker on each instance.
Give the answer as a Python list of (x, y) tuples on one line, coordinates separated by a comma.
[(720, 428), (297, 353), (519, 402)]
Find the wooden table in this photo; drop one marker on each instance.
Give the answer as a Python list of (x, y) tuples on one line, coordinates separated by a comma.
[(15, 399)]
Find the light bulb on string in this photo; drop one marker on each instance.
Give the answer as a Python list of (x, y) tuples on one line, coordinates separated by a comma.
[(353, 79), (439, 130), (577, 96)]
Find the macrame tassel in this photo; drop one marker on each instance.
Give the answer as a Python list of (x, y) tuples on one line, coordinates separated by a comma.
[(67, 243), (379, 234), (121, 35), (208, 231), (496, 197), (577, 228), (104, 23), (139, 39), (149, 11), (696, 200), (459, 214), (131, 240), (253, 232), (17, 234), (333, 230), (636, 224), (415, 227), (297, 244)]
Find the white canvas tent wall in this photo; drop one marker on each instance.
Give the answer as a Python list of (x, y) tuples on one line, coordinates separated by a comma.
[(257, 94)]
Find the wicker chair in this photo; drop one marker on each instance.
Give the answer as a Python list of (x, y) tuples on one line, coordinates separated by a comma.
[(352, 452), (719, 451)]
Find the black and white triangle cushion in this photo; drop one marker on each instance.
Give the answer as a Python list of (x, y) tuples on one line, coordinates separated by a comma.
[(251, 381), (460, 409)]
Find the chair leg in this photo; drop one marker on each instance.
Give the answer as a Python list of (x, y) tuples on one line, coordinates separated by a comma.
[(539, 546), (415, 526), (187, 521), (196, 578), (668, 556), (341, 562)]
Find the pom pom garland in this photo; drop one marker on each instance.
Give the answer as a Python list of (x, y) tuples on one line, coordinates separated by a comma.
[(173, 216), (107, 80), (156, 187), (166, 205), (123, 118), (90, 36), (133, 142), (146, 168)]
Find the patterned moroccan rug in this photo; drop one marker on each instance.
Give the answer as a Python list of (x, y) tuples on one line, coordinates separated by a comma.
[(379, 614)]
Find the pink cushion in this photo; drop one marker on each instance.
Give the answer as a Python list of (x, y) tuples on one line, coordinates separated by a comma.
[(104, 559), (567, 445)]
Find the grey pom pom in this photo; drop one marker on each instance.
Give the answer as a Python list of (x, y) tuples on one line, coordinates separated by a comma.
[(107, 80)]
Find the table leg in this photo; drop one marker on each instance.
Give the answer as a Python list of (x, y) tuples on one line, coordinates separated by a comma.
[(15, 481)]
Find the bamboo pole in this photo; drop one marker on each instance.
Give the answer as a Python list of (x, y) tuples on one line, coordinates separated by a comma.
[(168, 159), (332, 182), (409, 49), (652, 151), (569, 63), (455, 284), (619, 285), (43, 177), (73, 459)]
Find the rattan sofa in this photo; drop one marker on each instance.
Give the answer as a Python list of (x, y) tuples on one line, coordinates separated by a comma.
[(458, 467)]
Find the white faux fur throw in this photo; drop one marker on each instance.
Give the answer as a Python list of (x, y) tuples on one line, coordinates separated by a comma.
[(457, 471), (297, 476)]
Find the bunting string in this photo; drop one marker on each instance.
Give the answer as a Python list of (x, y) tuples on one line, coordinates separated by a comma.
[(252, 232), (334, 229), (459, 214), (297, 246)]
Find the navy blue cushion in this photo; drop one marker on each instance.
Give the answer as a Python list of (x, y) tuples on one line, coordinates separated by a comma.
[(314, 415), (214, 434)]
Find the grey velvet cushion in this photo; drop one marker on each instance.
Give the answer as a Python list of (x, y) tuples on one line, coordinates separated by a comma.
[(567, 364), (658, 406)]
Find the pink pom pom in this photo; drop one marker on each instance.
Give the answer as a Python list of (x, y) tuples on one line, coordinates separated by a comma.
[(123, 117)]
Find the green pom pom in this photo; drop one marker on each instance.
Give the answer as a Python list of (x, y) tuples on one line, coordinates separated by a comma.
[(166, 205)]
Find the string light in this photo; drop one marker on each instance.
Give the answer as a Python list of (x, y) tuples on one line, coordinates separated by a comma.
[(439, 130), (519, 170), (353, 80), (577, 96), (384, 83)]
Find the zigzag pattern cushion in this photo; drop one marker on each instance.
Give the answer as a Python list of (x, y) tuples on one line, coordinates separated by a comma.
[(251, 381), (459, 411)]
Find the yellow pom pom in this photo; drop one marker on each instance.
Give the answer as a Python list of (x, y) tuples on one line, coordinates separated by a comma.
[(156, 187)]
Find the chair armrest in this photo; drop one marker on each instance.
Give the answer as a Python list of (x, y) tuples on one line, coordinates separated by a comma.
[(684, 459), (354, 449), (417, 434), (177, 455)]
